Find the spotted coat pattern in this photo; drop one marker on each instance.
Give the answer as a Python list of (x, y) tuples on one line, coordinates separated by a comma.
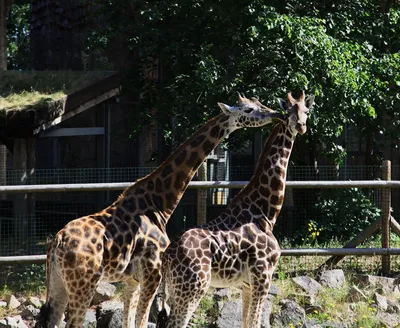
[(124, 242), (237, 248)]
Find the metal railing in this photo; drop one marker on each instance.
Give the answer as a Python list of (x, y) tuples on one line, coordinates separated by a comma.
[(201, 185)]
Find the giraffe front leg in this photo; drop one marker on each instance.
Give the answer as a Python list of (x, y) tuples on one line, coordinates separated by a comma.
[(259, 292), (148, 289), (131, 299)]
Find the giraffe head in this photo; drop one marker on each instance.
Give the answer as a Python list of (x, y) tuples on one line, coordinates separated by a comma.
[(297, 111), (249, 113)]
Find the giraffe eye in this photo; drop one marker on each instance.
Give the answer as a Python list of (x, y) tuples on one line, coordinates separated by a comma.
[(248, 110)]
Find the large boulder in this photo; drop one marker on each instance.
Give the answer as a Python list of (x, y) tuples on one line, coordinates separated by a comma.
[(290, 315), (307, 284), (104, 292), (332, 278)]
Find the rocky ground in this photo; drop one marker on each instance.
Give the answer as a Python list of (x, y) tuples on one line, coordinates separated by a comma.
[(304, 305)]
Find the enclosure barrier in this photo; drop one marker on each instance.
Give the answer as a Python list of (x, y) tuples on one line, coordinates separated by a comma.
[(338, 253), (41, 259)]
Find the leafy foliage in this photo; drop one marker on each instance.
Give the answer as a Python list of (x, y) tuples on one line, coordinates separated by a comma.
[(18, 47), (345, 213), (345, 53)]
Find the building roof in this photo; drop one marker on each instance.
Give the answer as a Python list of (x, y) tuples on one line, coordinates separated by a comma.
[(31, 102)]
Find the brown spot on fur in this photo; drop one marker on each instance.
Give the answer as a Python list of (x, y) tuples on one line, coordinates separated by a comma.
[(167, 183), (179, 180), (208, 146), (159, 187), (180, 158), (198, 141), (70, 258), (150, 186), (193, 158)]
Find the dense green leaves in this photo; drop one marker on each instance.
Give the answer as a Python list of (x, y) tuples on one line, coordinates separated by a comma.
[(18, 51), (344, 53)]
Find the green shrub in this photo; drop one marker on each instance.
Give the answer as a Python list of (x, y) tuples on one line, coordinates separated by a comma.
[(344, 213)]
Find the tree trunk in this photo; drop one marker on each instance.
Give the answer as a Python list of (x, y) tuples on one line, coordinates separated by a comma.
[(5, 6)]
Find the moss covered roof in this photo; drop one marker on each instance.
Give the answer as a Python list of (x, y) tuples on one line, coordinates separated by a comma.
[(39, 89)]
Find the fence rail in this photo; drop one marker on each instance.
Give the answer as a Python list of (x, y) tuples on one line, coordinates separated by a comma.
[(197, 185), (41, 259)]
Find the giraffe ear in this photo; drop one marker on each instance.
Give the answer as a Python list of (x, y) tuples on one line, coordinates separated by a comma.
[(309, 101), (226, 108), (283, 104)]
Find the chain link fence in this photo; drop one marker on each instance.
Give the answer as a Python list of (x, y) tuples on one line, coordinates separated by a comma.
[(309, 217)]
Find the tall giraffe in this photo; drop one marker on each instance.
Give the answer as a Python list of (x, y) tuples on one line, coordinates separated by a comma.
[(237, 248), (124, 242)]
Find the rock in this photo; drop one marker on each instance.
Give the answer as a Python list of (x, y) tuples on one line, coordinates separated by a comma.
[(381, 301), (311, 309), (13, 303), (13, 322), (30, 312), (356, 295), (274, 291), (332, 278), (306, 299), (388, 285), (266, 315), (291, 314), (35, 301), (90, 319), (308, 284), (222, 294), (231, 315), (388, 320), (393, 307), (104, 292), (3, 304), (105, 312)]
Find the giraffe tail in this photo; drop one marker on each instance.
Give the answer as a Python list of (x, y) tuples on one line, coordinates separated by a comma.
[(44, 318), (162, 317)]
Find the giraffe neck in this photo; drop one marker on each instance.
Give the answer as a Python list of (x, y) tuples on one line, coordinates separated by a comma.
[(164, 187), (264, 194)]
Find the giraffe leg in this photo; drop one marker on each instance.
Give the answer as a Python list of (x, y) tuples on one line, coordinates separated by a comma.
[(57, 299), (182, 309), (79, 300), (259, 293), (131, 298), (246, 296), (184, 298), (148, 290)]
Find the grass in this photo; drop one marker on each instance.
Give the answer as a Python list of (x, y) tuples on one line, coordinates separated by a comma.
[(25, 99), (25, 90)]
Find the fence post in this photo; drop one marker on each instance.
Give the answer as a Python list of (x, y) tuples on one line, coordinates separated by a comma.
[(386, 205), (202, 195)]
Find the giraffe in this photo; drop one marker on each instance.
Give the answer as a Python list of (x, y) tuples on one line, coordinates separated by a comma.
[(124, 242), (238, 247)]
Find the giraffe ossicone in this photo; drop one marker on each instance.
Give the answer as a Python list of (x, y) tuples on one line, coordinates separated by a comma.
[(124, 242), (238, 247)]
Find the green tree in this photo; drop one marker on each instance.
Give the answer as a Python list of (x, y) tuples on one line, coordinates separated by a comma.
[(345, 52), (18, 45)]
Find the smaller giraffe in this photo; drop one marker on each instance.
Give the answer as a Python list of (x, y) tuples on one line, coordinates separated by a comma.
[(237, 248)]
